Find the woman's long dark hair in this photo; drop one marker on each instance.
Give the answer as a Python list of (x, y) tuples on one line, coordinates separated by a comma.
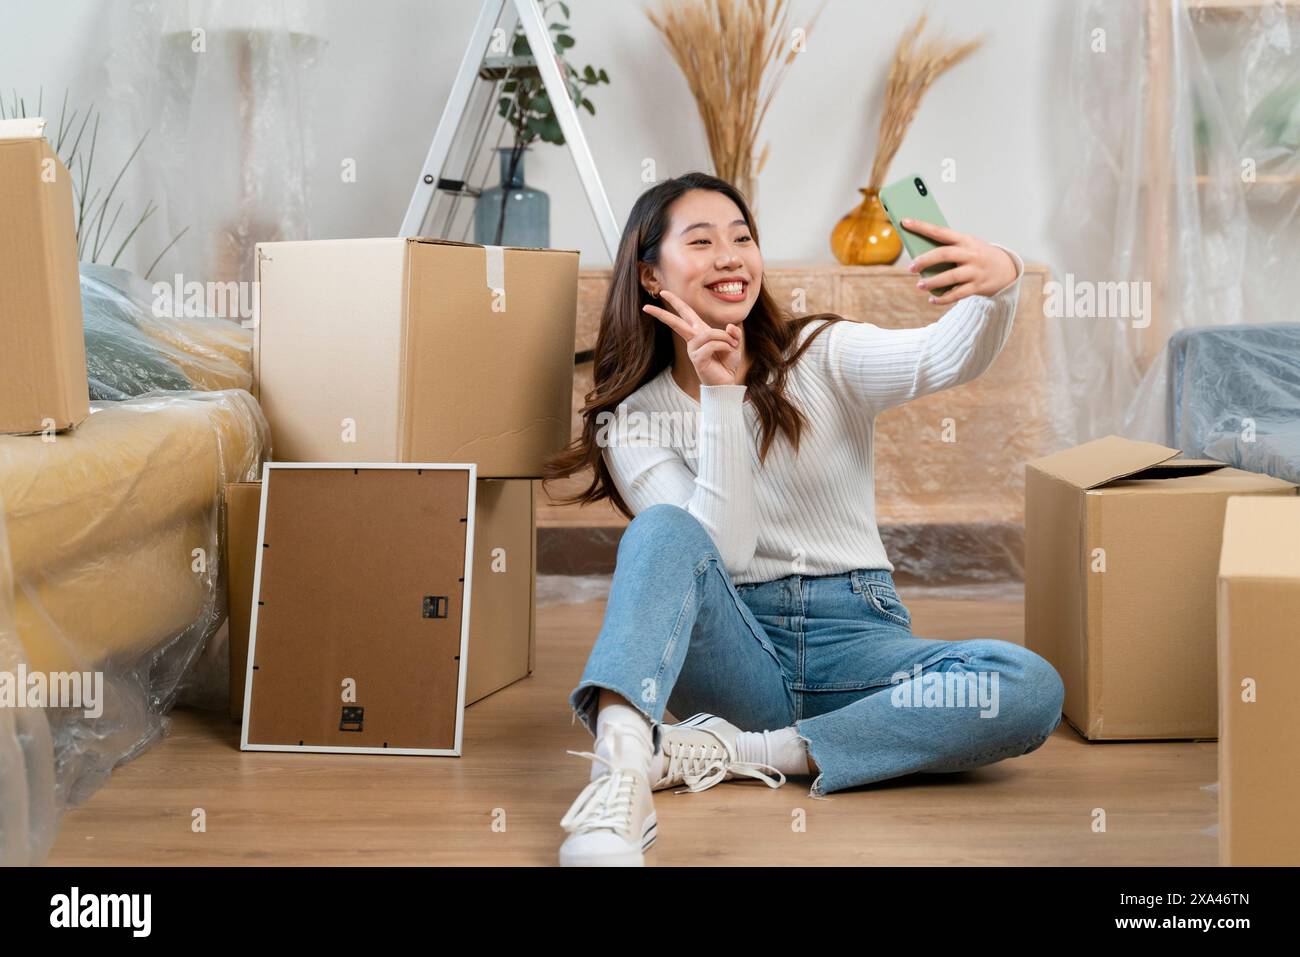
[(632, 346)]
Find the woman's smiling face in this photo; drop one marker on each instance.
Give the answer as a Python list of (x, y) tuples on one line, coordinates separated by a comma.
[(708, 257)]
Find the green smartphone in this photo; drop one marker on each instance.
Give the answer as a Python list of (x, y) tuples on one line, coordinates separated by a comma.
[(911, 198)]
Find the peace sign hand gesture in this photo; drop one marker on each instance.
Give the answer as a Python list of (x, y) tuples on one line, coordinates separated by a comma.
[(715, 353)]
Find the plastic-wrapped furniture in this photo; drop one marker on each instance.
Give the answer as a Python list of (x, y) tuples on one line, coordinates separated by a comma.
[(109, 564), (138, 341), (1230, 393)]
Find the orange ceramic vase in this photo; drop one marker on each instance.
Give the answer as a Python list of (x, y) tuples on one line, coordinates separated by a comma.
[(866, 237)]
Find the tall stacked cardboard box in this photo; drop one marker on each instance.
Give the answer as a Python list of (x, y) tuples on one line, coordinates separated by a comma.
[(420, 350), (43, 352), (1259, 710)]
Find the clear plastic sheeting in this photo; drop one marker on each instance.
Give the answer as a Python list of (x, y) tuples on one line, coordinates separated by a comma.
[(221, 88), (135, 345), (571, 589), (984, 548), (1178, 149), (27, 818), (1229, 393), (109, 572), (1180, 145)]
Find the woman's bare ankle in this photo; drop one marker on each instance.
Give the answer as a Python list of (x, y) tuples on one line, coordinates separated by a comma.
[(607, 697)]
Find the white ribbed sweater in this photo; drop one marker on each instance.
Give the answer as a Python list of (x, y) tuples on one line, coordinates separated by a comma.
[(814, 513)]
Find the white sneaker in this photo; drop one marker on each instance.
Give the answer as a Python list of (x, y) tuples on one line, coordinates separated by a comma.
[(612, 822), (701, 752)]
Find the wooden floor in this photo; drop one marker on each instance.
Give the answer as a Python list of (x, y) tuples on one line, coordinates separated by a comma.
[(501, 803)]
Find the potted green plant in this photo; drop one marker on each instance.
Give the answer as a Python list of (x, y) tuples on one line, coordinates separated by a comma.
[(527, 109)]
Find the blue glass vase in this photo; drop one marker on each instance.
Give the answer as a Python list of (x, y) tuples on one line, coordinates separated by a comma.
[(527, 211)]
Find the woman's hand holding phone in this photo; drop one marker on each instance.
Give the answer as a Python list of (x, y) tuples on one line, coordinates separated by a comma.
[(980, 268), (715, 353)]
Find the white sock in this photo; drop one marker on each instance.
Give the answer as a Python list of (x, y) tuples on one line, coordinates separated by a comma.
[(783, 750), (624, 737)]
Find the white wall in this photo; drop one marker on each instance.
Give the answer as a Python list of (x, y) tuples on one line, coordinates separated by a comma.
[(387, 67)]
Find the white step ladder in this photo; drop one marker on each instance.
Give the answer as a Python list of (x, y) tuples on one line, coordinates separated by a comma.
[(478, 64)]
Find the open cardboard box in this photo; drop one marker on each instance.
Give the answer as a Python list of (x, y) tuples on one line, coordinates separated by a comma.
[(1122, 547)]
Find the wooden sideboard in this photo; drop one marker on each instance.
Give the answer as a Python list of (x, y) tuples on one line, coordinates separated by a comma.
[(954, 459)]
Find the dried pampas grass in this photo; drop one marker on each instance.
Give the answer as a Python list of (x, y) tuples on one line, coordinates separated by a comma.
[(734, 55), (917, 64)]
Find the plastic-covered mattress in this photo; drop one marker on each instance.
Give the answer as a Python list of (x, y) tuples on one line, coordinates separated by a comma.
[(109, 563)]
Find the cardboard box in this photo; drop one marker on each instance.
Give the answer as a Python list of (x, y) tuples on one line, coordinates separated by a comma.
[(1259, 711), (503, 609), (1121, 558), (502, 630), (43, 351), (416, 350), (238, 558)]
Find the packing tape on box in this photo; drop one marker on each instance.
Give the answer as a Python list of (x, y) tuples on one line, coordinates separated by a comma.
[(495, 260), (22, 128)]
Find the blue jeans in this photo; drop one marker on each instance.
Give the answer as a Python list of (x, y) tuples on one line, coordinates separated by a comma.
[(832, 655)]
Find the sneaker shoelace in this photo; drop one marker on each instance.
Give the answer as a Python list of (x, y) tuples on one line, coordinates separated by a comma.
[(701, 766), (605, 803)]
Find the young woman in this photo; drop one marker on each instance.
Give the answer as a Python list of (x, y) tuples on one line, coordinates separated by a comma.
[(751, 589)]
